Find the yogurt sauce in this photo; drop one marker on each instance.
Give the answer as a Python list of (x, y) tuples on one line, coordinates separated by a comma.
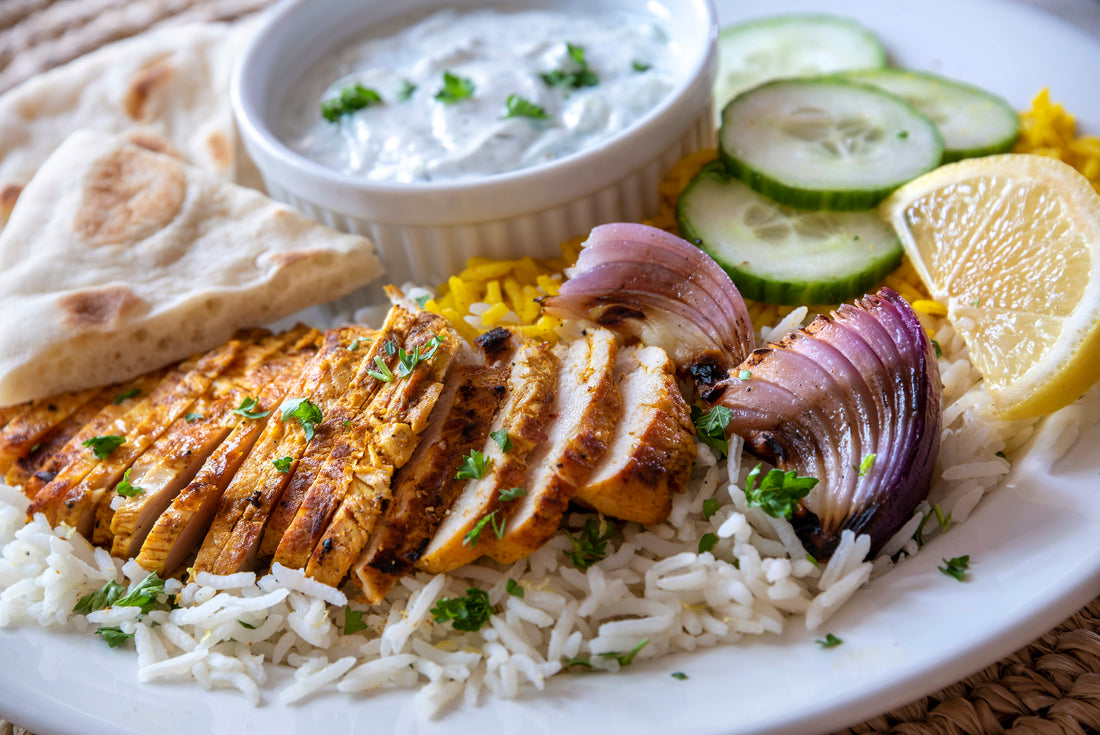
[(592, 75)]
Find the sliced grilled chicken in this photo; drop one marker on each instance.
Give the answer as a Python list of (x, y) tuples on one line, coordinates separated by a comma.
[(524, 414), (25, 467), (7, 413), (181, 527), (424, 489), (586, 409), (234, 536), (391, 427), (174, 459), (360, 388), (34, 424), (651, 452), (74, 458), (139, 428)]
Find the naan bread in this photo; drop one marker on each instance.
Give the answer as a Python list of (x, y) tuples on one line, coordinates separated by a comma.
[(167, 90), (118, 260)]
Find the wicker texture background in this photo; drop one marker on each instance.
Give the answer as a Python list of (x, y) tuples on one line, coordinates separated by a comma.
[(1050, 687)]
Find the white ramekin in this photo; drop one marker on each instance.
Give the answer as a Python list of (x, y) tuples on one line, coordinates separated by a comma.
[(426, 231)]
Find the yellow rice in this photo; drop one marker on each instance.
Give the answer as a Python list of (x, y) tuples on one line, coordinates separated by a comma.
[(505, 292)]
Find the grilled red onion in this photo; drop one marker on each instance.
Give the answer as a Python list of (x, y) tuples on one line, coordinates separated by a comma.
[(824, 399), (652, 286)]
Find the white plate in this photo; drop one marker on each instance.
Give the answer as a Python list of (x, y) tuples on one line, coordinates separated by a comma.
[(1034, 558)]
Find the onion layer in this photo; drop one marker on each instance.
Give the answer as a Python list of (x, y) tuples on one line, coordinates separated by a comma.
[(652, 286), (854, 399)]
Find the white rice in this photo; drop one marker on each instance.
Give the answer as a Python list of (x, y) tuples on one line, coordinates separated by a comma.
[(653, 586)]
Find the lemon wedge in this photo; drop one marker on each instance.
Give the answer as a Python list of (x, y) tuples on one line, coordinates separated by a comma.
[(1011, 245)]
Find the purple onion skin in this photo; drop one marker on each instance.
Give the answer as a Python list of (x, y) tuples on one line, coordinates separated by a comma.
[(882, 396), (651, 286)]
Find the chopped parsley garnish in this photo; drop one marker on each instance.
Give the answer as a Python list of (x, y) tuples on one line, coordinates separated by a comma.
[(353, 346), (710, 427), (405, 91), (812, 559), (939, 350), (144, 595), (125, 489), (999, 454), (306, 413), (576, 78), (192, 417), (744, 375), (501, 438), (514, 588), (282, 464), (102, 446), (866, 465), (625, 659), (472, 536), (353, 621), (830, 641), (679, 675), (407, 362), (422, 301), (517, 106), (130, 393), (590, 544), (473, 466), (351, 98), (944, 521), (956, 567), (512, 493), (247, 626), (707, 542), (389, 347), (640, 66), (710, 507), (383, 372), (113, 636), (455, 88), (249, 409), (903, 134), (779, 491), (466, 613), (102, 598), (578, 661)]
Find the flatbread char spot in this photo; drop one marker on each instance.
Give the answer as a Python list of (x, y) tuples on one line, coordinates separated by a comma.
[(148, 81), (129, 194), (98, 308)]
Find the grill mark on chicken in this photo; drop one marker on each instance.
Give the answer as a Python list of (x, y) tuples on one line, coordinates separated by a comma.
[(174, 459), (424, 489), (586, 408), (234, 537), (525, 413), (389, 429), (182, 526), (653, 447), (34, 424)]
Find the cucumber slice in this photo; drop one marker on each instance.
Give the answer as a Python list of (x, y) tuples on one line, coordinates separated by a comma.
[(781, 255), (826, 143), (759, 51), (973, 122)]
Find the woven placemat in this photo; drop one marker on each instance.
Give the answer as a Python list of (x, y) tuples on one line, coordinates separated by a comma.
[(1050, 687)]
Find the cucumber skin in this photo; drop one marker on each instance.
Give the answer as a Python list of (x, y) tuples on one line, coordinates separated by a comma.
[(771, 291), (862, 76), (833, 200)]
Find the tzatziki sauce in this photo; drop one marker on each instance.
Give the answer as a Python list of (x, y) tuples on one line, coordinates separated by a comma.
[(462, 95)]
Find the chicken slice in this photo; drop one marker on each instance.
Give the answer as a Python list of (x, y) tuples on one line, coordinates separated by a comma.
[(181, 527), (174, 459), (139, 428), (74, 460), (390, 427), (424, 489), (25, 467), (586, 409), (33, 425), (652, 450), (361, 388), (234, 536), (525, 413), (7, 413)]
